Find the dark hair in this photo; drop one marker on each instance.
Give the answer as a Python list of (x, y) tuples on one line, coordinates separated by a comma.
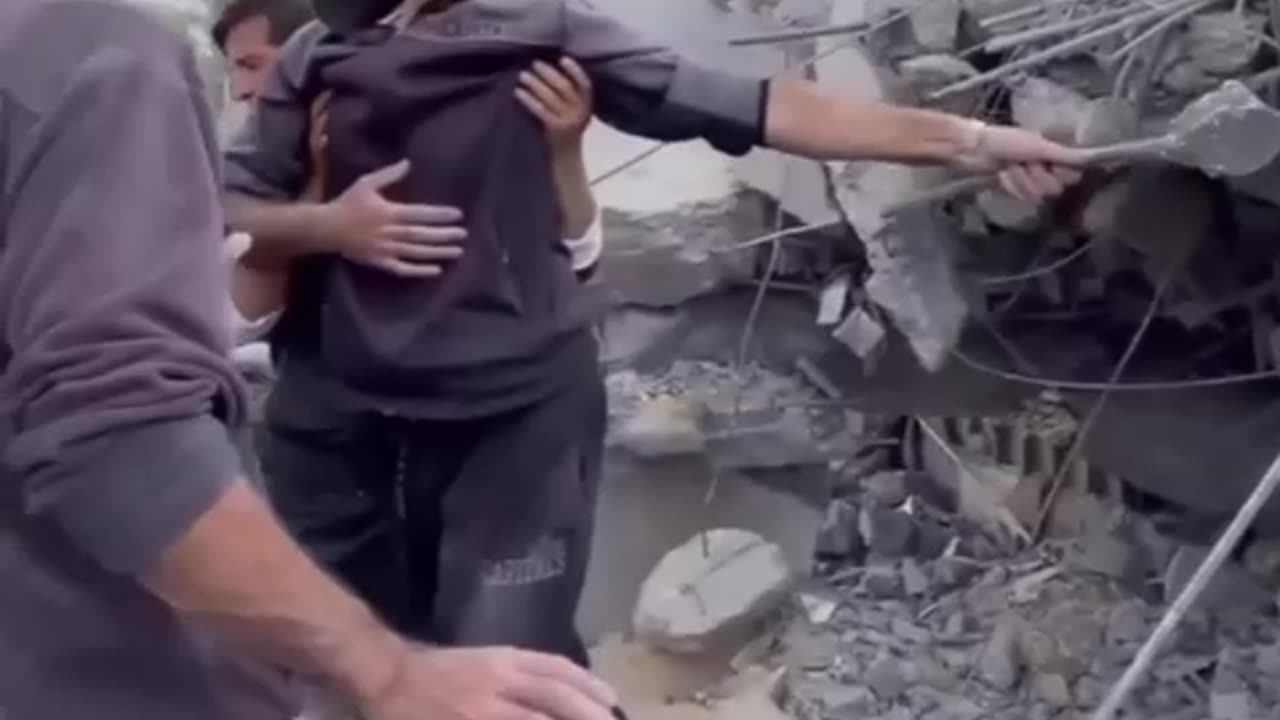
[(284, 17)]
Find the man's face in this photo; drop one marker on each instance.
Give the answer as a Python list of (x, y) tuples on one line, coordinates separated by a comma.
[(250, 53)]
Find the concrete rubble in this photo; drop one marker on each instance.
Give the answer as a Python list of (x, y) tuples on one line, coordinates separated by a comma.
[(711, 587)]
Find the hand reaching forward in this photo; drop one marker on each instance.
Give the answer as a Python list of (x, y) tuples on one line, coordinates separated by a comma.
[(490, 684), (1030, 166), (408, 240)]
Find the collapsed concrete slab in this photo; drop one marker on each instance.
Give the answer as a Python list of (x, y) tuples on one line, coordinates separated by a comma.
[(711, 587)]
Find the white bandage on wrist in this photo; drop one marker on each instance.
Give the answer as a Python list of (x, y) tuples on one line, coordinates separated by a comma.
[(585, 251)]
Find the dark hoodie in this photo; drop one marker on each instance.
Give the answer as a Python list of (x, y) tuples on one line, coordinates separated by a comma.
[(502, 325)]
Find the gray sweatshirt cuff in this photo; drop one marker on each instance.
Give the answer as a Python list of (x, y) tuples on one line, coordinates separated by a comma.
[(733, 105), (147, 487)]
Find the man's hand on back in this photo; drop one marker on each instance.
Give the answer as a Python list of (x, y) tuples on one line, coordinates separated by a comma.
[(490, 684), (402, 239)]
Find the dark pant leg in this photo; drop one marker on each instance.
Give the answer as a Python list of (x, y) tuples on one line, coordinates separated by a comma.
[(517, 523), (333, 487)]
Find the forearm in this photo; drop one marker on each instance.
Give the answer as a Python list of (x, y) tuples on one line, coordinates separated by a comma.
[(257, 292), (573, 188), (236, 572), (280, 231), (802, 119)]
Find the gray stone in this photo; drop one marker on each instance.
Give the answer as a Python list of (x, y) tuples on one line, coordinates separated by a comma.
[(838, 538), (1127, 623), (887, 533), (915, 581), (629, 332), (1232, 588), (999, 664), (1088, 692), (1229, 697), (862, 333), (935, 24), (913, 277), (768, 439), (1105, 121), (1048, 108), (885, 678), (886, 489), (693, 600), (663, 426), (906, 630), (881, 582), (1101, 553), (1223, 43), (1053, 688), (925, 74)]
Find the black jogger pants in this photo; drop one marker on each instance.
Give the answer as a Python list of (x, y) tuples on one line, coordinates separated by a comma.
[(460, 532)]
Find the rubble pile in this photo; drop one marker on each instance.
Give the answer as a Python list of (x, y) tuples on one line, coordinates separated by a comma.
[(739, 418), (1052, 297), (920, 614)]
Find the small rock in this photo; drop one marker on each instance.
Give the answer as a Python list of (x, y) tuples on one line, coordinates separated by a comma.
[(1222, 43), (1053, 689), (1101, 553), (1127, 623), (662, 427), (906, 630), (1232, 588), (1048, 108), (887, 533), (886, 489), (691, 600), (862, 333), (998, 664), (839, 538), (882, 583), (1229, 697), (950, 573), (885, 678), (915, 583), (1088, 692), (818, 609)]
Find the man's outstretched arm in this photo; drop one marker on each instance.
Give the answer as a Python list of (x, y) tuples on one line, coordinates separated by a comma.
[(113, 300)]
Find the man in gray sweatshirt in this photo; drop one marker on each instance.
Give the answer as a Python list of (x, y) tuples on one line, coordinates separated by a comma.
[(126, 539)]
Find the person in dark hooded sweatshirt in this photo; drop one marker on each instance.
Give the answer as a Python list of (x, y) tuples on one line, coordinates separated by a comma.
[(436, 438)]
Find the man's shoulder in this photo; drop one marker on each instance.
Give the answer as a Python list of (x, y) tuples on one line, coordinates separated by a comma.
[(48, 45)]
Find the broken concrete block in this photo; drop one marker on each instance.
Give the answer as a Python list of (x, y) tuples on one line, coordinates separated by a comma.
[(1127, 623), (629, 332), (1102, 553), (999, 664), (1052, 688), (1106, 121), (663, 426), (885, 678), (838, 538), (763, 439), (935, 24), (1223, 43), (886, 489), (1230, 697), (887, 533), (1231, 590), (693, 600), (862, 333), (881, 582), (923, 75), (915, 581), (1048, 108)]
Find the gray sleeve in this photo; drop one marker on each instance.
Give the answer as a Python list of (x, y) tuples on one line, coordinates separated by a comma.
[(112, 297), (646, 89), (267, 158)]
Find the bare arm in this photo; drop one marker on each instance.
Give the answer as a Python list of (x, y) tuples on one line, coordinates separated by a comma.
[(577, 202), (803, 119), (113, 311), (235, 571)]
